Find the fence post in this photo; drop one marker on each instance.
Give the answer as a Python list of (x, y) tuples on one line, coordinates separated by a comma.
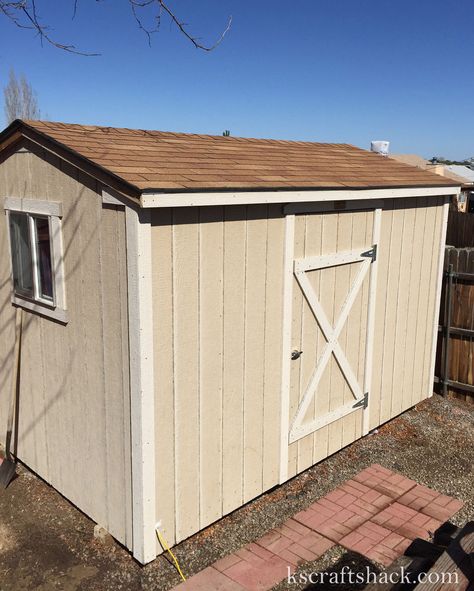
[(447, 328)]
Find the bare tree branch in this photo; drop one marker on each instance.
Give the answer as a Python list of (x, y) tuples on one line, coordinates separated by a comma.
[(182, 26), (24, 15)]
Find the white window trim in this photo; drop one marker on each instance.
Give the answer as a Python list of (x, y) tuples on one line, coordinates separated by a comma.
[(57, 309)]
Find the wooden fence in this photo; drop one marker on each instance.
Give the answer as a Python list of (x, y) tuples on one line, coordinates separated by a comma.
[(460, 229), (455, 352)]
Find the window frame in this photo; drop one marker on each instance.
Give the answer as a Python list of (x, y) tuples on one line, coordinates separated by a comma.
[(52, 211)]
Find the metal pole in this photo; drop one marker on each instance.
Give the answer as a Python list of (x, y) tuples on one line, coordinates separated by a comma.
[(447, 333)]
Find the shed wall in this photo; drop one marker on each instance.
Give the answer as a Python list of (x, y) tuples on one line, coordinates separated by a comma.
[(74, 416), (218, 296)]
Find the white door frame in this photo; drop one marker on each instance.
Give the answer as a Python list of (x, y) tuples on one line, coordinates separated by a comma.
[(290, 433)]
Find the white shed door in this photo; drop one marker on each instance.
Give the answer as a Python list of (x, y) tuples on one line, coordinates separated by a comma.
[(329, 307)]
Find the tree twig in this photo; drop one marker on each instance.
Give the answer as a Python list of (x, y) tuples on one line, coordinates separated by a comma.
[(24, 15)]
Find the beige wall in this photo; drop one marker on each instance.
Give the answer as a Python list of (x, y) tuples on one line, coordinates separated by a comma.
[(217, 276), (74, 412), (218, 296)]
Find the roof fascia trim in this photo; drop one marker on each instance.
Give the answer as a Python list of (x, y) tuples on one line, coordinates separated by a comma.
[(158, 200)]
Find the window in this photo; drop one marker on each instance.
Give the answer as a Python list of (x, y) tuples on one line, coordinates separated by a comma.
[(36, 256)]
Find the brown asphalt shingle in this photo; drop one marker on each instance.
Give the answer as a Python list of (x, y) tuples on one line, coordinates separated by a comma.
[(155, 160)]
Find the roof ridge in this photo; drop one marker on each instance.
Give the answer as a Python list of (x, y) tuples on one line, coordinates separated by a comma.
[(180, 134)]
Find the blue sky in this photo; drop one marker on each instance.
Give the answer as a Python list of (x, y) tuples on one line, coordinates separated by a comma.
[(323, 70)]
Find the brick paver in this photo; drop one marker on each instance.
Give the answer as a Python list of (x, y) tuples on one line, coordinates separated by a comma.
[(255, 573), (407, 522), (385, 481), (295, 543), (377, 514), (376, 542), (431, 502), (343, 510)]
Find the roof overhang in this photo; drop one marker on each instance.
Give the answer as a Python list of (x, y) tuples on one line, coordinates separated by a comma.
[(117, 190), (261, 197)]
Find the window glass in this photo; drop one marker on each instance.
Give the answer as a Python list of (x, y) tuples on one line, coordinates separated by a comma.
[(21, 254), (43, 245)]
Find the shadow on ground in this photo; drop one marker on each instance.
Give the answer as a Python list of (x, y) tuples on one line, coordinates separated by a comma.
[(336, 578)]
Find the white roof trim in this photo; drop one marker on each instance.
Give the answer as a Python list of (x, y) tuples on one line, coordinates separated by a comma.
[(255, 197)]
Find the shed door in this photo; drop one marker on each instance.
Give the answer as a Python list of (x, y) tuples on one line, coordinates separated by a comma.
[(330, 296)]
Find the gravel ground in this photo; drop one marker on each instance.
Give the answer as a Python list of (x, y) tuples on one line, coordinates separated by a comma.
[(46, 543)]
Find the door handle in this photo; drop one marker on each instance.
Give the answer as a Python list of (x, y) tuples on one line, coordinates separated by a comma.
[(296, 354)]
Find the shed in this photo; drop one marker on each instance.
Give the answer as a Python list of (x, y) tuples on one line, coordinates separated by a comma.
[(206, 317)]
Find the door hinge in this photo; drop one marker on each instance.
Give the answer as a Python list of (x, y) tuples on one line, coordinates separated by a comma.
[(363, 402), (370, 254)]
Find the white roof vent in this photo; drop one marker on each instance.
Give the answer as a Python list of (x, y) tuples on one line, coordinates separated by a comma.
[(380, 147)]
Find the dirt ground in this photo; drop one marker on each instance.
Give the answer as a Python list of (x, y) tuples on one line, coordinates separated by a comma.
[(47, 544)]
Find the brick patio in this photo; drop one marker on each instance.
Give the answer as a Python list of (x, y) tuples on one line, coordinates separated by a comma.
[(378, 514)]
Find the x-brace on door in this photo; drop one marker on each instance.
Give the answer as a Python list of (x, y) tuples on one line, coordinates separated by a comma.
[(297, 422)]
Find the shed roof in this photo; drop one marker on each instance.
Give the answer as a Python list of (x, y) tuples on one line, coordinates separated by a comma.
[(157, 161)]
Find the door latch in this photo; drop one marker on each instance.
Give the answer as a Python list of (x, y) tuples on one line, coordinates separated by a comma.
[(296, 354)]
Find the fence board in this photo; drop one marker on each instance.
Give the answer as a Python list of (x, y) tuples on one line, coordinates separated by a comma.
[(460, 229), (461, 355)]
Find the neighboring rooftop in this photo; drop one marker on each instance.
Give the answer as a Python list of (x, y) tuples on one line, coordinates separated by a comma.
[(164, 161), (462, 172), (412, 160), (459, 174)]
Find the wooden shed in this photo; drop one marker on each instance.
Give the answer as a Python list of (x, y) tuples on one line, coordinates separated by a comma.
[(205, 317)]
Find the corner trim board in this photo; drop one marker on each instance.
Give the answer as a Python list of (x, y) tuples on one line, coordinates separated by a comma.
[(140, 313), (439, 286)]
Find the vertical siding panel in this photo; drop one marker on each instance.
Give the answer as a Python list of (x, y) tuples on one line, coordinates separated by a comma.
[(380, 313), (273, 346), (296, 342), (310, 334), (211, 327), (116, 434), (32, 422), (392, 299), (91, 402), (401, 327), (186, 368), (415, 257), (354, 346), (328, 283), (320, 341), (424, 294), (162, 260), (234, 335), (339, 387), (254, 349)]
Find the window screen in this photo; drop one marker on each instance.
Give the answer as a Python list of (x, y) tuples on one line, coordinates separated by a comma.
[(43, 253)]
